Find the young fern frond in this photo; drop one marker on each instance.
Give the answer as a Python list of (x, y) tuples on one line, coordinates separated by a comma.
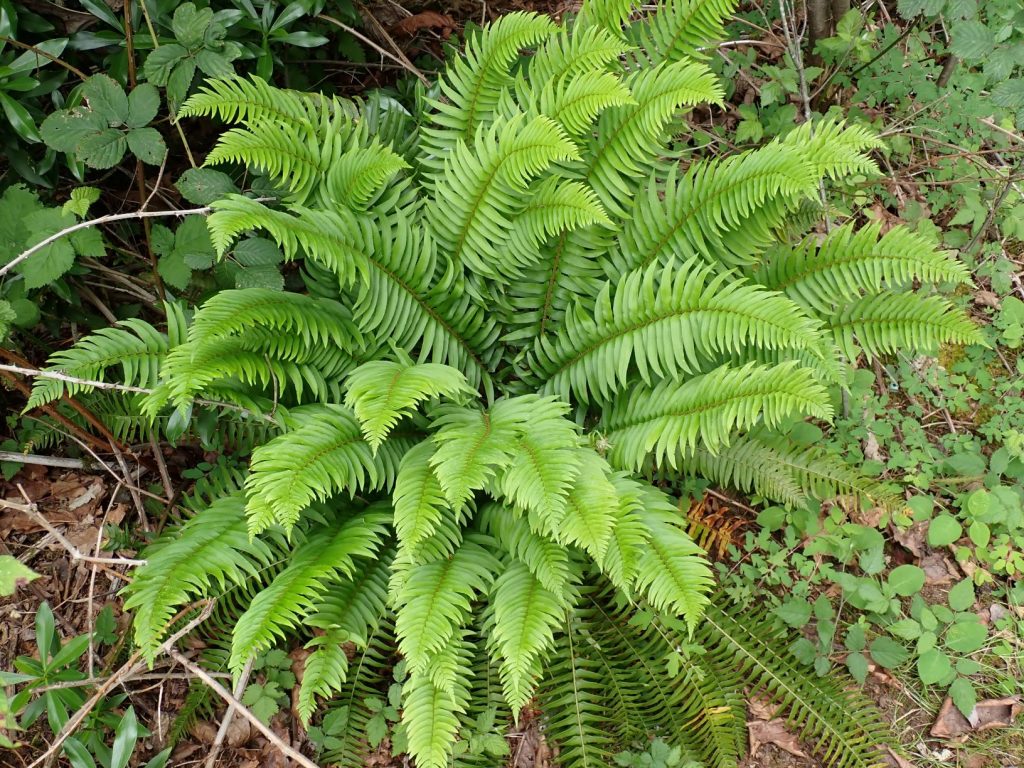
[(254, 101), (683, 29), (849, 262), (381, 393), (419, 499), (135, 345), (671, 418)]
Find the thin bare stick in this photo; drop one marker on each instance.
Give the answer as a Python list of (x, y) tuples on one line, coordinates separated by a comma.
[(126, 672), (95, 223), (30, 509), (285, 748), (44, 461), (132, 488), (402, 60), (165, 476), (229, 715)]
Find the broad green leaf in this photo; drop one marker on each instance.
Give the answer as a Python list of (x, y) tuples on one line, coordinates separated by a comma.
[(143, 104), (179, 82), (55, 259), (966, 636), (161, 62), (147, 144), (944, 530), (214, 64), (20, 119), (888, 653), (14, 573), (174, 270), (102, 149), (933, 666), (972, 40), (125, 736), (961, 596), (65, 129), (189, 24), (192, 241), (1009, 93), (906, 580), (201, 186), (81, 200), (963, 695), (107, 98)]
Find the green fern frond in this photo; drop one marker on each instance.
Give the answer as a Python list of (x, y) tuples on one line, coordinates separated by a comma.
[(843, 727), (775, 468), (672, 418), (672, 573), (574, 101), (591, 508), (482, 186), (681, 29), (630, 534), (690, 216), (834, 148), (848, 262), (322, 560), (356, 176), (889, 321), (606, 15), (434, 601), (704, 315), (431, 710), (253, 100), (629, 137), (135, 345), (587, 48), (212, 548), (380, 393), (547, 560), (418, 497), (324, 672), (322, 454), (473, 83), (526, 615)]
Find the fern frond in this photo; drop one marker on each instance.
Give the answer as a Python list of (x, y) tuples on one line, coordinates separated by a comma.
[(587, 48), (212, 548), (889, 321), (434, 601), (382, 392), (357, 175), (253, 100), (526, 615), (629, 137), (842, 725), (574, 101), (775, 468), (323, 453), (590, 509), (606, 15), (323, 559), (681, 29), (690, 215), (482, 186), (547, 559), (472, 84), (835, 149), (704, 315), (849, 262), (135, 345), (671, 418), (431, 710), (672, 573), (324, 672), (418, 497), (630, 534)]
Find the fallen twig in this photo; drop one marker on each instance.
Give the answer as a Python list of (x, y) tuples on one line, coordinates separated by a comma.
[(225, 723)]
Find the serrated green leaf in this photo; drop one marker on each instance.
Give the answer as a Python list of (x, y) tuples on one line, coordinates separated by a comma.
[(192, 242), (189, 24), (888, 653), (961, 596), (65, 129), (106, 98), (55, 259), (174, 271), (88, 242), (944, 530), (81, 200), (972, 40), (963, 695), (933, 666), (966, 636), (147, 144), (1009, 93), (201, 186), (161, 63), (143, 104), (179, 82), (214, 64), (102, 149)]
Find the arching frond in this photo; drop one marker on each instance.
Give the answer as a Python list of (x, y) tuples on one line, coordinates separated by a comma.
[(834, 148), (848, 262), (419, 499), (431, 710), (629, 137), (702, 314), (322, 560), (587, 48), (546, 558), (526, 615), (213, 547), (253, 100), (591, 508), (672, 418), (323, 453), (381, 392), (472, 84), (606, 15), (575, 100), (356, 176), (775, 468), (681, 29), (483, 184), (889, 321)]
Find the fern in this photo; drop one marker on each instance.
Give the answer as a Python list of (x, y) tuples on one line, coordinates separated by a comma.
[(524, 325)]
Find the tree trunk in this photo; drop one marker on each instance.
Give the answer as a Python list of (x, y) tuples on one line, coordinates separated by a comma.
[(819, 26)]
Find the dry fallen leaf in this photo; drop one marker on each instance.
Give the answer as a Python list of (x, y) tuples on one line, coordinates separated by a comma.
[(939, 570), (988, 714), (761, 708), (986, 299), (425, 20), (895, 759), (774, 732)]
